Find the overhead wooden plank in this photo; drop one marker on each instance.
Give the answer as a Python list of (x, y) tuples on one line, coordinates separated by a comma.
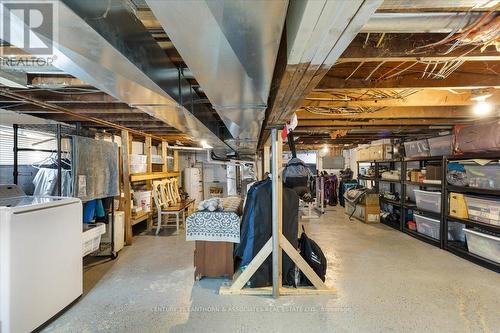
[(398, 47), (139, 177), (400, 112), (375, 122), (426, 97), (456, 80)]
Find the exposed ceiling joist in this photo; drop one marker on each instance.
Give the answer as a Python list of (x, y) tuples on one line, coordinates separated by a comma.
[(48, 106), (399, 47), (102, 111), (373, 122), (400, 112), (317, 34), (419, 98), (426, 5), (456, 80)]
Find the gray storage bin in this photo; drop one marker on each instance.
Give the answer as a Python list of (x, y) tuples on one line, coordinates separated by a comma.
[(427, 226), (419, 148), (427, 200), (483, 245), (482, 209), (483, 176), (441, 146)]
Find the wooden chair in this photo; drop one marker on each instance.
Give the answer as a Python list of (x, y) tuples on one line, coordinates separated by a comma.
[(165, 205), (168, 202)]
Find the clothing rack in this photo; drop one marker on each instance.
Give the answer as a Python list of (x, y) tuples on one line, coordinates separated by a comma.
[(61, 131), (46, 129)]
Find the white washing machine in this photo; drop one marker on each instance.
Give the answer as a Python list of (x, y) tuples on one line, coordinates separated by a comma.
[(41, 269)]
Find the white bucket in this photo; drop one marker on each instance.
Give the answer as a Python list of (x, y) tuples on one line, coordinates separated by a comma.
[(143, 199)]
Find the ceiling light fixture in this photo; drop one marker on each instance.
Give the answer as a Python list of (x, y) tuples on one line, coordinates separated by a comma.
[(482, 108), (205, 145)]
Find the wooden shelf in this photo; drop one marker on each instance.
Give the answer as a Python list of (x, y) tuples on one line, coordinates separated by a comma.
[(139, 218), (139, 177)]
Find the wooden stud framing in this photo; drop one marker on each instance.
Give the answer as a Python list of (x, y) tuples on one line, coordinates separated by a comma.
[(164, 156), (176, 161), (126, 142), (148, 150)]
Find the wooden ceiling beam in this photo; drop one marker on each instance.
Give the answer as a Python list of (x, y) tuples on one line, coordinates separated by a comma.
[(118, 112), (426, 97), (384, 122), (28, 99), (57, 81), (401, 112), (398, 47), (457, 80)]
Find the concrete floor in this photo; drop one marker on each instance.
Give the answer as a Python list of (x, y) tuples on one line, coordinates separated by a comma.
[(386, 281)]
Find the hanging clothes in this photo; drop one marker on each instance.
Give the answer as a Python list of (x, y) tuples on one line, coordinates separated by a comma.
[(331, 184), (45, 182), (256, 229)]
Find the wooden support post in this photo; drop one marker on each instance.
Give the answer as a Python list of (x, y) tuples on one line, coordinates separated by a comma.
[(277, 200), (164, 155), (148, 150), (266, 160), (176, 161), (126, 142)]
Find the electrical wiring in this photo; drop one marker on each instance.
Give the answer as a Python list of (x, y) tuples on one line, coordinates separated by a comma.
[(374, 70), (341, 110), (456, 35)]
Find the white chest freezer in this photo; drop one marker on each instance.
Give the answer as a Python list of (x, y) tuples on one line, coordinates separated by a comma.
[(40, 259)]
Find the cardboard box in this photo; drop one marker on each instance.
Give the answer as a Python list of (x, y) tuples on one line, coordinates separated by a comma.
[(458, 207), (371, 199), (366, 214), (376, 153), (363, 154), (415, 176), (381, 152), (433, 172)]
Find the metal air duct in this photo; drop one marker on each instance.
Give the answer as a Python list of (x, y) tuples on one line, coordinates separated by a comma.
[(420, 22), (104, 44), (230, 47)]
